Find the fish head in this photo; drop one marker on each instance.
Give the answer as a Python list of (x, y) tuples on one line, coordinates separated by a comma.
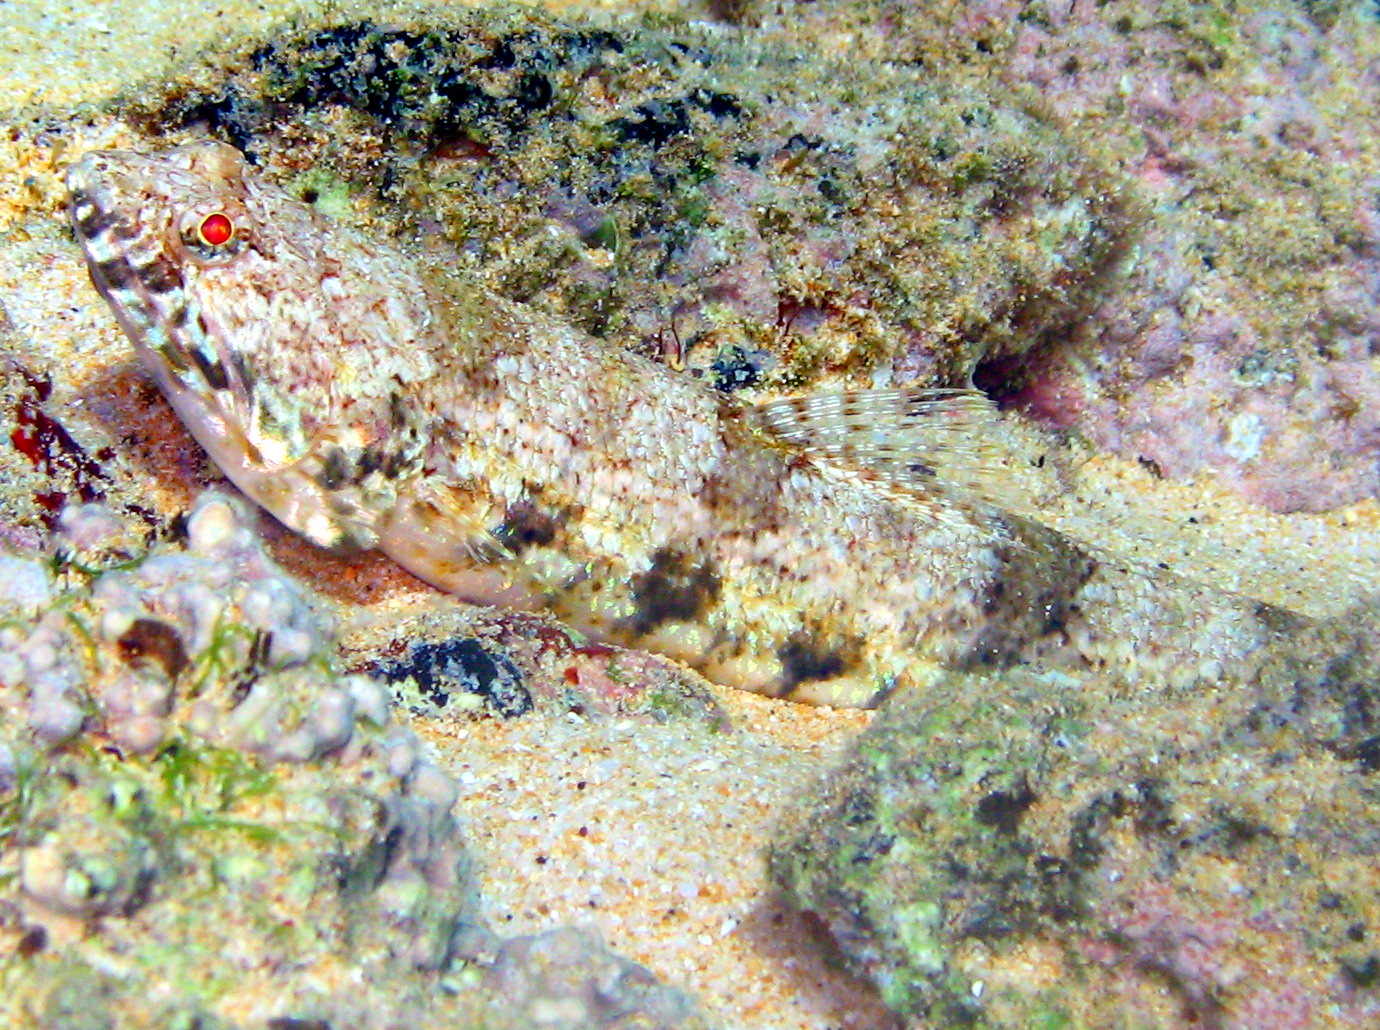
[(240, 304), (196, 269)]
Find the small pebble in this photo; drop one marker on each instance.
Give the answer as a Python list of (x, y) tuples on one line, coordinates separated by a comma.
[(333, 719), (141, 734), (291, 646), (401, 750), (24, 585), (53, 718), (371, 700), (88, 527), (429, 782), (211, 525)]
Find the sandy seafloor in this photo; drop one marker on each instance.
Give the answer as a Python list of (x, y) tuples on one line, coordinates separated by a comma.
[(653, 834)]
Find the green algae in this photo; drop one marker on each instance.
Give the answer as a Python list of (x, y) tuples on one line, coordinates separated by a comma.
[(1008, 812), (196, 847), (329, 194)]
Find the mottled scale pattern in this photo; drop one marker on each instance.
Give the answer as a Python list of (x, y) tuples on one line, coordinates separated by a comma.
[(829, 549)]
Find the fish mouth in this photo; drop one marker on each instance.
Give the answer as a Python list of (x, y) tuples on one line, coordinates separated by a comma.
[(97, 193), (97, 225), (127, 259), (88, 206)]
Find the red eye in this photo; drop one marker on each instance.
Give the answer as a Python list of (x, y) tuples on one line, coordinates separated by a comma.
[(215, 229)]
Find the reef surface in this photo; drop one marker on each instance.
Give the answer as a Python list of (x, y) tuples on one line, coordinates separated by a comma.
[(1151, 227)]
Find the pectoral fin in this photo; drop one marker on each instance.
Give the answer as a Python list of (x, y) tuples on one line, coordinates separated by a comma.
[(440, 534)]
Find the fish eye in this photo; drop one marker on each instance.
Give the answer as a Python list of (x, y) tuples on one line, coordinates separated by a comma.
[(215, 229), (215, 236)]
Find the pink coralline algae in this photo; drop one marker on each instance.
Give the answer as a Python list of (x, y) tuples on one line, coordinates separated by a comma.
[(1202, 956), (1245, 338)]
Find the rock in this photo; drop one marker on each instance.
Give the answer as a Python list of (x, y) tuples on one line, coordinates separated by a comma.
[(766, 214), (1026, 849), (1243, 340), (235, 827)]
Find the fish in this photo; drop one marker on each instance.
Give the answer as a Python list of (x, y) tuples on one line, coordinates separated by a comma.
[(831, 548)]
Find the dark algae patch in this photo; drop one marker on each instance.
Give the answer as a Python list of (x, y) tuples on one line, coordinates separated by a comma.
[(431, 673), (781, 216), (67, 469)]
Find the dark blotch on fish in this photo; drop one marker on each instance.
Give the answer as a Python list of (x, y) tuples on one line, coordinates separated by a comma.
[(1035, 599), (335, 469), (371, 459), (211, 370), (674, 589), (394, 464), (116, 273), (96, 222), (35, 939), (525, 525), (804, 659), (160, 276), (176, 316)]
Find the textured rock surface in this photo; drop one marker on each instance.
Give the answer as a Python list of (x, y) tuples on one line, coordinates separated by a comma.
[(766, 214), (82, 424), (1243, 340), (202, 824), (1246, 340), (1031, 850)]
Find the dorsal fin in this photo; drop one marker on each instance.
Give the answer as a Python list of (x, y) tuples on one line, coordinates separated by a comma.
[(918, 439)]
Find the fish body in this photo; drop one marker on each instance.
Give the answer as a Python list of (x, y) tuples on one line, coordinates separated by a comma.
[(808, 548)]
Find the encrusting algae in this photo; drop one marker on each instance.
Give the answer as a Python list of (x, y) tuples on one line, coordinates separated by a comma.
[(761, 212), (204, 824)]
